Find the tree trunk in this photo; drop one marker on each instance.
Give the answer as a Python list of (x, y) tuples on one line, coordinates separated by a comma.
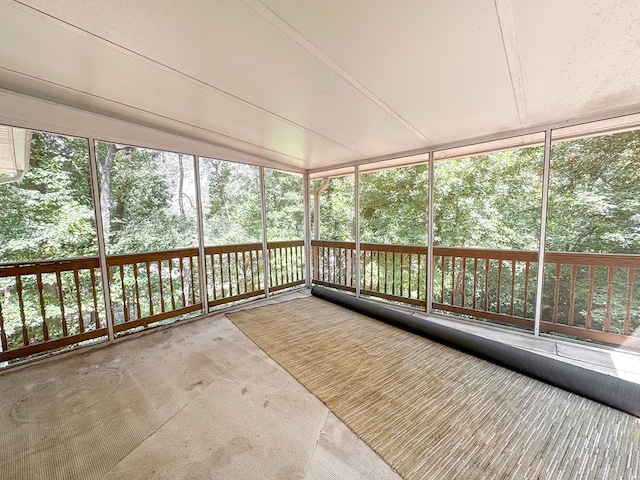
[(105, 189)]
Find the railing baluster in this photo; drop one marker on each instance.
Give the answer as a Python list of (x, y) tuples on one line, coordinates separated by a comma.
[(378, 274), (464, 280), (237, 274), (258, 263), (592, 277), (65, 331), (3, 333), (76, 280), (626, 327), (393, 276), (95, 297), (526, 289), (230, 277), (499, 299), (607, 317), (364, 266), (160, 286), (486, 284), (556, 295), (418, 274), (572, 294), (410, 255), (23, 319), (442, 281), (475, 282), (453, 279), (214, 288), (401, 272), (125, 307), (192, 281), (171, 291), (220, 259), (182, 284), (253, 276), (513, 286), (149, 287), (244, 270), (43, 314), (136, 289)]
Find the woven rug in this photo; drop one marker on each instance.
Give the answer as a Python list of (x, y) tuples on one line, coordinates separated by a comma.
[(432, 412)]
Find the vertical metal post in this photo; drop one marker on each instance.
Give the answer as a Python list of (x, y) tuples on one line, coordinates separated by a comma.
[(265, 250), (543, 230), (202, 259), (356, 195), (102, 253), (429, 279), (307, 230)]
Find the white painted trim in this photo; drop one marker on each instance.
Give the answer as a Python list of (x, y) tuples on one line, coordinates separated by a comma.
[(356, 202), (543, 231), (430, 222), (202, 259), (102, 253), (307, 231), (265, 249)]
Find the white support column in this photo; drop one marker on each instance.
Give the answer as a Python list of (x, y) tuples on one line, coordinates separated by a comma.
[(429, 279), (102, 254), (265, 250), (356, 174), (307, 231), (543, 230), (202, 260)]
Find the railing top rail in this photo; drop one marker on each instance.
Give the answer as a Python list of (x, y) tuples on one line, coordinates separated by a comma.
[(488, 253), (382, 247), (47, 266), (595, 259), (240, 247), (332, 243), (115, 260), (285, 243)]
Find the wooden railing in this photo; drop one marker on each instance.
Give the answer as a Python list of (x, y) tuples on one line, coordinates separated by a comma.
[(49, 305), (497, 285), (592, 296), (234, 272), (588, 296), (53, 304), (286, 264), (151, 287)]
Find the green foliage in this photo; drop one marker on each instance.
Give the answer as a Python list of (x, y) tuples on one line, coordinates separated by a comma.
[(233, 212), (594, 197), (49, 213), (489, 201), (337, 214), (284, 205), (394, 206), (143, 201)]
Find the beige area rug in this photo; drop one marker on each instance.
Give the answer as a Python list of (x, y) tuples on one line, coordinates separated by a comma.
[(435, 413)]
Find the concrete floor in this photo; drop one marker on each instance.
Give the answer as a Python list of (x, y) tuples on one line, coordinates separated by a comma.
[(194, 401), (199, 400)]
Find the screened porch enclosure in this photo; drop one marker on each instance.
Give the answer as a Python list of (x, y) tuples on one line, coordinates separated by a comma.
[(152, 237)]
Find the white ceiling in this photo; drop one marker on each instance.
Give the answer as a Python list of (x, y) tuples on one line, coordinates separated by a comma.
[(319, 84)]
